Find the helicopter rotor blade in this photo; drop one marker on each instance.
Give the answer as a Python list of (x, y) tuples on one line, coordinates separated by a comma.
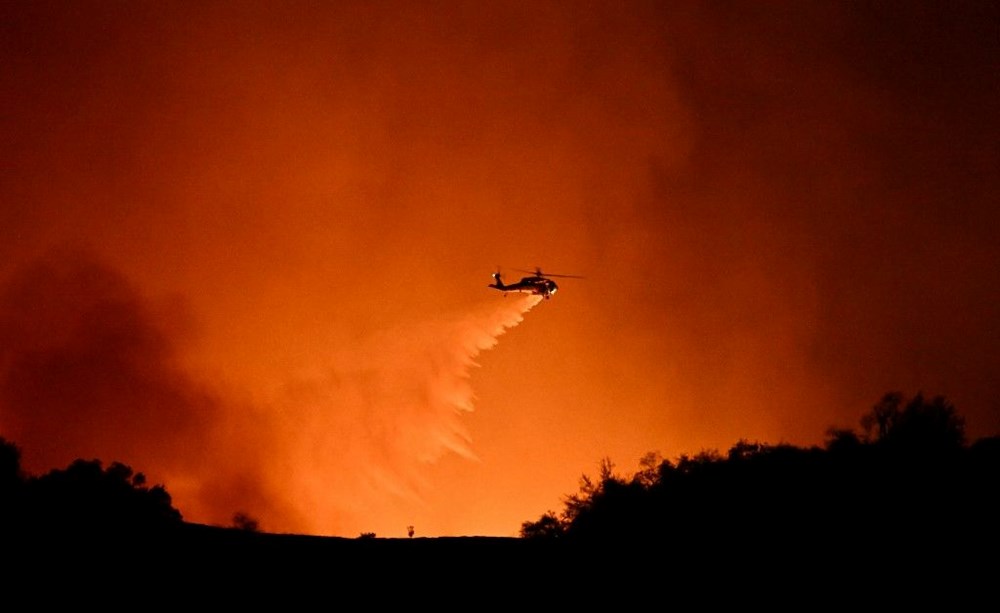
[(538, 273)]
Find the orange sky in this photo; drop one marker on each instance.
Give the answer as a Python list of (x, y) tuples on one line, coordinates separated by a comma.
[(244, 246)]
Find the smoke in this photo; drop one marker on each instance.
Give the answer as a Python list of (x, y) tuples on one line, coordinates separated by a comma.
[(89, 368)]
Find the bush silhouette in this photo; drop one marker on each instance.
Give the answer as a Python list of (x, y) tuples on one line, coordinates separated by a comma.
[(908, 479), (243, 521), (85, 496), (82, 499)]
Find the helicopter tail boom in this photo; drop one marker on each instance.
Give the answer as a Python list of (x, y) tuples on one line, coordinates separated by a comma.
[(498, 284)]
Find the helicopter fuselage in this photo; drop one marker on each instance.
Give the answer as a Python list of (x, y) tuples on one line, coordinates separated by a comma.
[(529, 285)]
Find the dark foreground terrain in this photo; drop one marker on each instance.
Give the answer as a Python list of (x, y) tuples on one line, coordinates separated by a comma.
[(904, 514), (804, 557)]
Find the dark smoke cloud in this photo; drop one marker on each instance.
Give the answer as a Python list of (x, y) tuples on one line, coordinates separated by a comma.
[(89, 370)]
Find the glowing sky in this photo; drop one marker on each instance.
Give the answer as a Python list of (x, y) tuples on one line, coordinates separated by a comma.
[(245, 246)]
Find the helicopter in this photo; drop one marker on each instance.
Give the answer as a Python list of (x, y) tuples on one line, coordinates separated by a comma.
[(538, 283)]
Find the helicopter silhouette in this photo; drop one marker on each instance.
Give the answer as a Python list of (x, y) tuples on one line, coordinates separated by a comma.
[(538, 283)]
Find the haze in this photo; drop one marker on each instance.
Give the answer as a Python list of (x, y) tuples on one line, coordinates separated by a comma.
[(245, 246)]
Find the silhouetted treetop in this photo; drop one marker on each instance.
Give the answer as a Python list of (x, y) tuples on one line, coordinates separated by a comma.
[(908, 478), (928, 426), (83, 498), (11, 480), (10, 464), (85, 495)]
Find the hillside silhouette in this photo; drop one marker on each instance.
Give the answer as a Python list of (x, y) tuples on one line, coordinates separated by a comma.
[(906, 496)]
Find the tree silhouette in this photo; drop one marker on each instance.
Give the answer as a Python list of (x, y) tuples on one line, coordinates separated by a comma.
[(928, 426), (11, 482), (879, 421), (243, 521), (82, 499), (85, 496), (548, 526), (909, 479), (10, 466)]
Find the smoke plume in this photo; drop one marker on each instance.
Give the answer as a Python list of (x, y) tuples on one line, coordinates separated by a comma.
[(88, 368)]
